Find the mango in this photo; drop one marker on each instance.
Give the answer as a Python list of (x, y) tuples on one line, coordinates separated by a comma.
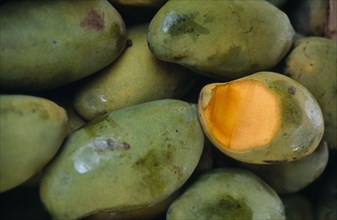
[(136, 77), (262, 118), (47, 44), (32, 131), (313, 63), (124, 161), (221, 39), (291, 177), (227, 193)]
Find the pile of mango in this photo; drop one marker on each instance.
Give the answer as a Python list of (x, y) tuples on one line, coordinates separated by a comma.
[(177, 110)]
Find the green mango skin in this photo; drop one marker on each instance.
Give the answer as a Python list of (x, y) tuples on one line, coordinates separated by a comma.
[(313, 63), (293, 176), (221, 39), (230, 193), (47, 44), (136, 77), (32, 130), (301, 128), (123, 161)]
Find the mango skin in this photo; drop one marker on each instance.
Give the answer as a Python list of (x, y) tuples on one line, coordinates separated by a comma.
[(136, 77), (32, 130), (291, 177), (127, 160), (221, 39), (227, 193), (47, 44), (313, 63), (301, 128)]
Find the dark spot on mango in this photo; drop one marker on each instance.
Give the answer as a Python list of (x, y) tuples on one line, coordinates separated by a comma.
[(185, 24), (94, 20), (292, 90), (128, 43), (226, 207), (292, 111), (150, 166)]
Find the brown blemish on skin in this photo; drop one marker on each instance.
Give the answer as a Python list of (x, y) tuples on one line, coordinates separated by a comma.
[(95, 20), (292, 90), (109, 145)]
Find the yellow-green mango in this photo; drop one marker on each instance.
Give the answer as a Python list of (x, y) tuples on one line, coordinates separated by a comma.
[(230, 193), (313, 63), (138, 3), (129, 159), (262, 118), (32, 130), (47, 44), (136, 77), (222, 39), (291, 177)]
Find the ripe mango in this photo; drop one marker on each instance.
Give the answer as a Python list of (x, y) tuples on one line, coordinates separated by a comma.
[(262, 118)]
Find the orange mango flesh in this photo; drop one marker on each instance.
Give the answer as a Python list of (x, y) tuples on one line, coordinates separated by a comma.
[(243, 115)]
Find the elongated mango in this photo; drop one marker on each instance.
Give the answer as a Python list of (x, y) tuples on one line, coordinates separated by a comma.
[(47, 44)]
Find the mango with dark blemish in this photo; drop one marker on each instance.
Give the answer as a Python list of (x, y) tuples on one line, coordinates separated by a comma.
[(291, 177), (126, 160), (313, 63), (262, 118), (47, 44), (230, 193), (136, 77), (222, 39), (32, 130)]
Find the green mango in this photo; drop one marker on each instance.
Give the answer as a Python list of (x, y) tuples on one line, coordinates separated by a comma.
[(221, 39), (126, 160), (262, 118), (136, 77), (291, 177), (313, 63), (32, 130), (230, 193), (47, 44)]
